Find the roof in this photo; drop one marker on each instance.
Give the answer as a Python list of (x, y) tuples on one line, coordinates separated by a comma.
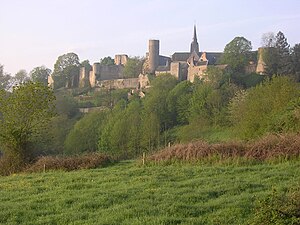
[(213, 57)]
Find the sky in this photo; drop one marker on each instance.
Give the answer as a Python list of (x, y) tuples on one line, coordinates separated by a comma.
[(36, 32)]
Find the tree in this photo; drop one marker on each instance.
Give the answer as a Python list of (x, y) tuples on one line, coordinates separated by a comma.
[(107, 61), (21, 77), (24, 113), (133, 67), (296, 59), (237, 53), (66, 71), (85, 133), (178, 102), (271, 59), (40, 74), (284, 56), (6, 81), (268, 40)]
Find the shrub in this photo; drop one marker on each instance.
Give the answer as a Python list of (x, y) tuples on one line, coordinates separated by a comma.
[(271, 147), (278, 208), (88, 161)]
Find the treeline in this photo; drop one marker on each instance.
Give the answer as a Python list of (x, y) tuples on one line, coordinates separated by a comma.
[(175, 112)]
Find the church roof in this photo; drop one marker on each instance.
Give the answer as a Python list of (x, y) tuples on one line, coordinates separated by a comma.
[(213, 57)]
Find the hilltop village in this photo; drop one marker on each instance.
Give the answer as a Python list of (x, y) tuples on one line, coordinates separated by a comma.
[(182, 65)]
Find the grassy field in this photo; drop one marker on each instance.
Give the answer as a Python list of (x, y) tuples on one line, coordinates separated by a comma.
[(127, 193)]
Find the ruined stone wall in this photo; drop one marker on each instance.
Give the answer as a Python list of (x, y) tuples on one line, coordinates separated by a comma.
[(120, 83), (175, 69), (121, 59), (261, 65), (196, 71), (110, 72), (84, 77), (93, 74)]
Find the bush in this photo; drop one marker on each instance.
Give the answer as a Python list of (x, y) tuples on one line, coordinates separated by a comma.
[(278, 208), (271, 147), (257, 110), (88, 161)]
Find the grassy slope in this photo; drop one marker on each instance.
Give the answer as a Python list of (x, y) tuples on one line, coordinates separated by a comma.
[(129, 194)]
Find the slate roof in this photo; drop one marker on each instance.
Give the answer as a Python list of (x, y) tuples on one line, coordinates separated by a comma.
[(213, 57)]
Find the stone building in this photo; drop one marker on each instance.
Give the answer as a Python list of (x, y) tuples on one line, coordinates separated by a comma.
[(182, 65), (188, 65)]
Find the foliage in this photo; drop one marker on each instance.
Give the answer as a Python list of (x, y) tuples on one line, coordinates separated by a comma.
[(284, 57), (254, 111), (66, 68), (86, 64), (296, 59), (270, 57), (279, 208), (107, 61), (156, 100), (65, 104), (21, 77), (5, 79), (40, 74), (133, 67), (24, 113), (236, 53), (270, 148), (84, 135), (178, 102), (78, 162), (127, 193), (268, 40)]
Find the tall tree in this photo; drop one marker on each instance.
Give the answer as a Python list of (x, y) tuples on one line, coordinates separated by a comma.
[(40, 74), (284, 61), (237, 53), (66, 71), (24, 113)]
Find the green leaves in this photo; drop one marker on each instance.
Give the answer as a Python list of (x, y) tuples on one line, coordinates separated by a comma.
[(24, 113), (236, 53)]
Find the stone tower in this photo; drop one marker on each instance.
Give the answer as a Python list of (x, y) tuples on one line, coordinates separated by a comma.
[(153, 55), (194, 44)]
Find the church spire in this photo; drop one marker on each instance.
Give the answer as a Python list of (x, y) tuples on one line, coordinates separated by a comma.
[(195, 34), (194, 44)]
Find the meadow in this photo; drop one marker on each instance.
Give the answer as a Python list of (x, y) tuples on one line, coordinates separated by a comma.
[(130, 193)]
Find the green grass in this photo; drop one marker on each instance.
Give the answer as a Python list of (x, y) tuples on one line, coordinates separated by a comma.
[(127, 193)]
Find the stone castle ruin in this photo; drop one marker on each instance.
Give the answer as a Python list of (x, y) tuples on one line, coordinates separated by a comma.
[(188, 65), (182, 65)]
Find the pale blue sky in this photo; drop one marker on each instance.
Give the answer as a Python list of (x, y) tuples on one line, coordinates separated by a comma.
[(36, 32)]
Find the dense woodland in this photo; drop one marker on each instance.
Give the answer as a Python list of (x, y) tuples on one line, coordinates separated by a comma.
[(229, 105)]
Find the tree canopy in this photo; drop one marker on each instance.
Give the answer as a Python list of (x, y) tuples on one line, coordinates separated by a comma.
[(237, 53), (66, 68), (40, 74), (24, 112), (107, 61), (133, 67)]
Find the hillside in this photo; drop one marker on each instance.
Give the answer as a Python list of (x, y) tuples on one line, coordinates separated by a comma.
[(128, 193)]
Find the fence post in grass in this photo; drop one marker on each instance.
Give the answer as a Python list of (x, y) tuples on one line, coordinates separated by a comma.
[(144, 156), (44, 168)]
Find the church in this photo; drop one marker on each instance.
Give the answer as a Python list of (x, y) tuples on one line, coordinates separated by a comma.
[(188, 65), (182, 65)]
